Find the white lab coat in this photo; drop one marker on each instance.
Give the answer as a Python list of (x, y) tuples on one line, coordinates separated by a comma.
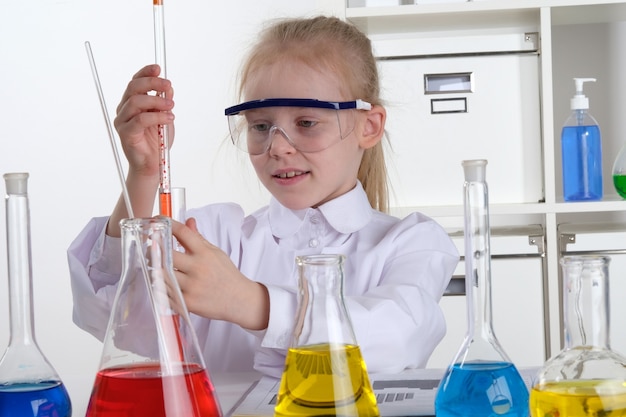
[(395, 274)]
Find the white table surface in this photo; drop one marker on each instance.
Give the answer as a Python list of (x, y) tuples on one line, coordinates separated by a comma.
[(229, 387)]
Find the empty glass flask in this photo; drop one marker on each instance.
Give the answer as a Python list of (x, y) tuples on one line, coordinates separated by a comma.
[(324, 373), (29, 385), (481, 380), (151, 364), (586, 378)]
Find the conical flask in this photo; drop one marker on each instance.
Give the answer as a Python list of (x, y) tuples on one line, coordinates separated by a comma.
[(29, 385), (481, 380), (619, 172), (586, 378), (324, 373), (151, 365)]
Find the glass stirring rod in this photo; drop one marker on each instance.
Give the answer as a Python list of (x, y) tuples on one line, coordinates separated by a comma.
[(165, 196), (107, 119)]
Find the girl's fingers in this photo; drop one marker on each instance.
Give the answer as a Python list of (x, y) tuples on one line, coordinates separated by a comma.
[(142, 111), (191, 240), (144, 82)]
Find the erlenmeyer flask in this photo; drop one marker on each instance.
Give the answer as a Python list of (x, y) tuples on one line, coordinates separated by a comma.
[(151, 364), (29, 385), (619, 172), (481, 380), (586, 378), (324, 373)]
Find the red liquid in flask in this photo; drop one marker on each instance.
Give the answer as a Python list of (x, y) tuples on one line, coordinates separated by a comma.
[(141, 391)]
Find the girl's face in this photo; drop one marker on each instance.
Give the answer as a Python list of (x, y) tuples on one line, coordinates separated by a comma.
[(297, 179)]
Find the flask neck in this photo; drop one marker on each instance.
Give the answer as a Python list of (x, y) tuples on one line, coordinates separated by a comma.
[(147, 258), (20, 270), (586, 301), (478, 260), (322, 317)]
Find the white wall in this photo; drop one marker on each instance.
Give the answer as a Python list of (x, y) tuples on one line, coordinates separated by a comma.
[(53, 128)]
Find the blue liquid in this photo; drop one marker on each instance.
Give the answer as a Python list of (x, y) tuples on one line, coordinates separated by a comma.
[(582, 163), (44, 399), (482, 390)]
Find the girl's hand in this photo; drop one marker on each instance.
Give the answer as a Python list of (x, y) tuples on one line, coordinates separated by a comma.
[(138, 116), (211, 284)]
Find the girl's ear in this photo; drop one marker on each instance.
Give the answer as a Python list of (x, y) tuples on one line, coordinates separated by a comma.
[(374, 127)]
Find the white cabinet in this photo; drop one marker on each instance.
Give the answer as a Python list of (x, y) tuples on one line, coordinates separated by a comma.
[(523, 55)]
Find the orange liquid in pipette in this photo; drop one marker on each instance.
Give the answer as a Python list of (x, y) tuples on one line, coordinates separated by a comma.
[(165, 204), (157, 2)]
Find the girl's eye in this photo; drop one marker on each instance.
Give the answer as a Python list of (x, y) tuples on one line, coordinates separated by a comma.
[(306, 123), (260, 127)]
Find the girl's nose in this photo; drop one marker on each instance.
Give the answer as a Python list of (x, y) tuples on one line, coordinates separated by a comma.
[(279, 142)]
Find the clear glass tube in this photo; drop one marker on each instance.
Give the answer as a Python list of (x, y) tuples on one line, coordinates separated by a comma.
[(29, 385), (179, 204), (324, 371), (179, 210), (481, 380), (586, 378)]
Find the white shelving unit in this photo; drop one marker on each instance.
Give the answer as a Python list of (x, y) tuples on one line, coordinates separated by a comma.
[(560, 29)]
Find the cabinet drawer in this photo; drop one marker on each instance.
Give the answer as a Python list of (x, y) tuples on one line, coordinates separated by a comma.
[(500, 123), (519, 326)]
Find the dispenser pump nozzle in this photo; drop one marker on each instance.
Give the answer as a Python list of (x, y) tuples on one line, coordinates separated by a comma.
[(580, 101)]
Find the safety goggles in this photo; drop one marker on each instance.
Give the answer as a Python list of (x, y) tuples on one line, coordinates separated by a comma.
[(309, 125)]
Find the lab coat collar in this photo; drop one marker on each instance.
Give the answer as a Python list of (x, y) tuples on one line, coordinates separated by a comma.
[(347, 213)]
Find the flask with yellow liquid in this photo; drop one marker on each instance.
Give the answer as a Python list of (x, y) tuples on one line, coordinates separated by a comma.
[(324, 373), (586, 378)]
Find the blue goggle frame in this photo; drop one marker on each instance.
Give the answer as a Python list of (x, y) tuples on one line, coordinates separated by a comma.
[(297, 102)]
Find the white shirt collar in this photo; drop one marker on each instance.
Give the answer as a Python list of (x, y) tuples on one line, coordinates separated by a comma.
[(347, 213)]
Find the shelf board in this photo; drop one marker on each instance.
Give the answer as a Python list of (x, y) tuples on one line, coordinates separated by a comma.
[(441, 17), (476, 6), (609, 204), (433, 18), (600, 227)]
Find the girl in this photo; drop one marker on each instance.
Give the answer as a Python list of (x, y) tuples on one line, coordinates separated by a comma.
[(312, 123)]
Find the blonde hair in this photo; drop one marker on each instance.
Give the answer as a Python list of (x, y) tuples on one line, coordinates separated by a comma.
[(330, 44)]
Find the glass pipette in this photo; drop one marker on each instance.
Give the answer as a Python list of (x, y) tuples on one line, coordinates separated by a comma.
[(165, 197)]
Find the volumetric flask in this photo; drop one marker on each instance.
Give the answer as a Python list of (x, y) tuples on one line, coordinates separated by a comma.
[(481, 380), (151, 365), (29, 385), (324, 373), (586, 378)]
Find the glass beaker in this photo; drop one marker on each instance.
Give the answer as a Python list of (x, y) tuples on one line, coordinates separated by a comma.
[(324, 373), (586, 378), (619, 172), (29, 385), (481, 380), (151, 364)]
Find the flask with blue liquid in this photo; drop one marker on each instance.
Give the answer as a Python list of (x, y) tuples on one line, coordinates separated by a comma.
[(481, 380), (29, 385), (581, 150)]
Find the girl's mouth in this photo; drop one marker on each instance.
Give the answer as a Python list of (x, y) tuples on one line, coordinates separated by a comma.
[(290, 174)]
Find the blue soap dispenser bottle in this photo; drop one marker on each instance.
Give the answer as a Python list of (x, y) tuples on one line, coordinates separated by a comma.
[(581, 150)]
